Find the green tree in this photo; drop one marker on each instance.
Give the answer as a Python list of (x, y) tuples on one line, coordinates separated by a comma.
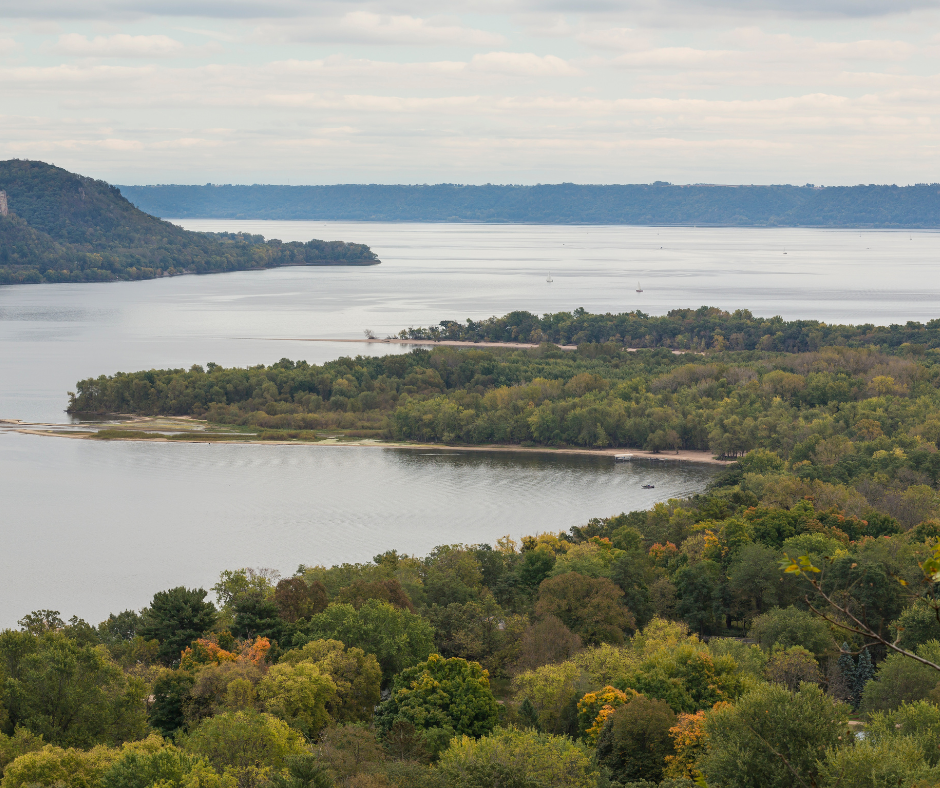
[(397, 638), (299, 695), (171, 691), (244, 741), (635, 740), (302, 771), (255, 616), (878, 764), (176, 618), (786, 627), (772, 738), (510, 758), (900, 679), (589, 606), (357, 677), (168, 767), (791, 667), (442, 698), (68, 693)]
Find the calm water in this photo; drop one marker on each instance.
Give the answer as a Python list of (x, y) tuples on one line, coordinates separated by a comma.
[(88, 527)]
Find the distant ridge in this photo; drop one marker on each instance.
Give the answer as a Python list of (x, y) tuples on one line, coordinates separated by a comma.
[(57, 226), (566, 203)]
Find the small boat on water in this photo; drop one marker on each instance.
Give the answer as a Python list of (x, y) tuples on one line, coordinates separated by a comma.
[(649, 487), (549, 280), (623, 457), (639, 287)]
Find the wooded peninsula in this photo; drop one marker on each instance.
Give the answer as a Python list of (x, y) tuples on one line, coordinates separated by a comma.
[(735, 639), (63, 227)]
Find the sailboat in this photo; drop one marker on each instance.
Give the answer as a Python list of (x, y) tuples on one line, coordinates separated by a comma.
[(639, 288), (549, 280)]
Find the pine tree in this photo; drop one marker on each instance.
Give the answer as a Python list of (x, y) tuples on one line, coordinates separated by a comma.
[(849, 672), (864, 673)]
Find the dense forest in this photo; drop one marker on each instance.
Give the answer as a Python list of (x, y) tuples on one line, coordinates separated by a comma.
[(565, 203), (64, 227), (705, 328), (741, 638)]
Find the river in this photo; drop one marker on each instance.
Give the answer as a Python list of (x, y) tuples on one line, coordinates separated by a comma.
[(90, 528)]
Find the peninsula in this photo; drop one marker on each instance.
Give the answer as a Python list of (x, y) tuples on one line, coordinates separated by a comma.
[(57, 226)]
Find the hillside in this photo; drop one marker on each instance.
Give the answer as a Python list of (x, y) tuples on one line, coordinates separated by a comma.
[(566, 203), (64, 227)]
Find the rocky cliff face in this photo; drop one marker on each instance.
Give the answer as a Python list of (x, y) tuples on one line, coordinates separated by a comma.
[(4, 209)]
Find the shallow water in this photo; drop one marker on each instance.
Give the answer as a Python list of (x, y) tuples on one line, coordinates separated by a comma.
[(91, 527)]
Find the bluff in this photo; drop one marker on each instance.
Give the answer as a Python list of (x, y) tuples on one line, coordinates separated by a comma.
[(564, 203), (64, 227)]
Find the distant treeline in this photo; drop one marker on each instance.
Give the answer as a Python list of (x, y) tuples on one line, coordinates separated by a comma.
[(705, 328), (64, 227), (565, 203)]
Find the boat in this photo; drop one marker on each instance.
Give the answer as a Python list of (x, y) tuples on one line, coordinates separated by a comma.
[(623, 457), (549, 280), (639, 288), (649, 487)]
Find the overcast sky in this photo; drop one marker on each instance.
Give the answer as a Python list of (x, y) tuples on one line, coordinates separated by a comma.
[(508, 91)]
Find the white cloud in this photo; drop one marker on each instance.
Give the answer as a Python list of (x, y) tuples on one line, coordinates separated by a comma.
[(523, 64), (120, 45)]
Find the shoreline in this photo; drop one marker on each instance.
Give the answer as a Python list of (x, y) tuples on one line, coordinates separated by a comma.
[(699, 457), (458, 343)]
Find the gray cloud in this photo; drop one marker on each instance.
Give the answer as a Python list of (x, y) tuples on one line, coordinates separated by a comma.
[(284, 9)]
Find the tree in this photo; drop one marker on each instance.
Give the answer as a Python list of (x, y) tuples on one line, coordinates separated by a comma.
[(589, 606), (302, 771), (786, 627), (170, 693), (244, 741), (299, 695), (256, 616), (511, 758), (390, 591), (900, 679), (167, 766), (442, 698), (635, 740), (357, 677), (480, 631), (701, 602), (546, 642), (296, 599), (791, 667), (175, 618), (69, 694), (772, 738), (552, 691), (397, 638)]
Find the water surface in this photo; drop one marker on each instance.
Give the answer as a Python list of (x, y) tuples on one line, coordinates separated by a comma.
[(91, 527)]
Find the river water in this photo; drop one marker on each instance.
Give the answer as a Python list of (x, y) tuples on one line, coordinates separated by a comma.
[(89, 528)]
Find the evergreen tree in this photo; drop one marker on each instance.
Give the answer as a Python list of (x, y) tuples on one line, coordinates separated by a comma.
[(864, 672), (849, 672)]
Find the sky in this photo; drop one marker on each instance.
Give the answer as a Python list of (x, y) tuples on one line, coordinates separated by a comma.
[(830, 92)]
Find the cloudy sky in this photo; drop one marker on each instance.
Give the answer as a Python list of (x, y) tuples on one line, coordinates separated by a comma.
[(501, 91)]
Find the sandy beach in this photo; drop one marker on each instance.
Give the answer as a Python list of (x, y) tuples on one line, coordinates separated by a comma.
[(199, 435)]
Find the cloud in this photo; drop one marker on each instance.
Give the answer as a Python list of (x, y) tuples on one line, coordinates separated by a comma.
[(362, 27), (523, 64), (111, 10), (120, 45)]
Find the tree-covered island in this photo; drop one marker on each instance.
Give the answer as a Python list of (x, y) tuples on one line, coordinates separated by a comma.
[(63, 227), (674, 647)]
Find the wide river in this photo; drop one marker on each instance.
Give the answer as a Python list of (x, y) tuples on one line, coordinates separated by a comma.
[(88, 528)]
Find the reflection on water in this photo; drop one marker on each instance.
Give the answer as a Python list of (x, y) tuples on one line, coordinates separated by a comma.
[(90, 528)]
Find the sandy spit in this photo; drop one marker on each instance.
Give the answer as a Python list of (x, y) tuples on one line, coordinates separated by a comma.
[(680, 456)]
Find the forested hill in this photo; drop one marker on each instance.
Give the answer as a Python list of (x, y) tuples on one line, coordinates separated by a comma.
[(64, 227), (566, 203)]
